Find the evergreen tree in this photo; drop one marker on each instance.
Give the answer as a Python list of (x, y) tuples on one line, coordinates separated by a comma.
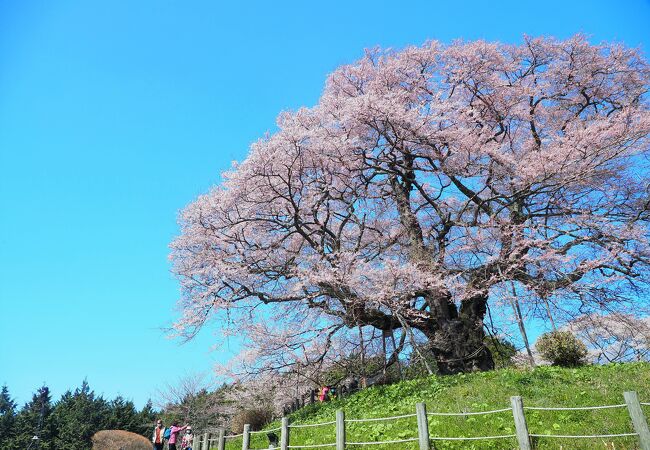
[(79, 415), (34, 420), (146, 418), (7, 417), (123, 415), (71, 422)]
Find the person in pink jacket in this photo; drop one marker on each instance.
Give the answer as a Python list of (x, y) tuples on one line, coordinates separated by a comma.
[(173, 436)]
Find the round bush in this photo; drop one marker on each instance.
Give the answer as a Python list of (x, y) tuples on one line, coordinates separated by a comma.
[(562, 348), (118, 439)]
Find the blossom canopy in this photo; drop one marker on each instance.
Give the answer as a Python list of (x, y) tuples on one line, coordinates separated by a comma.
[(423, 179)]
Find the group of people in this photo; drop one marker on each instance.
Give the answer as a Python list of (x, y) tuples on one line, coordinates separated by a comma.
[(172, 436)]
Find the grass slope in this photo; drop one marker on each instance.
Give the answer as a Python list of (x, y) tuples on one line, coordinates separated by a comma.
[(544, 386)]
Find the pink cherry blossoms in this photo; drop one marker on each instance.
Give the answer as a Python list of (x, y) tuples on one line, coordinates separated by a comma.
[(421, 181)]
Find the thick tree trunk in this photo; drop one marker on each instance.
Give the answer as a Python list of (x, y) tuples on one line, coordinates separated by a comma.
[(464, 350), (457, 341), (456, 336)]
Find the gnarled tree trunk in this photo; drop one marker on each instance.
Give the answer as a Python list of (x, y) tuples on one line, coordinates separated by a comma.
[(457, 338)]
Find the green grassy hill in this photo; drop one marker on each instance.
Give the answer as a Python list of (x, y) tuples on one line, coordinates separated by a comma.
[(544, 386)]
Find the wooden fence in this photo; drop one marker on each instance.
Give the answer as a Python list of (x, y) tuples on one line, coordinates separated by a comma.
[(424, 439)]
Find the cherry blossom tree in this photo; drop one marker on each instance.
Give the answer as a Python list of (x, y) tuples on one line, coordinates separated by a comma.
[(422, 180), (195, 400), (614, 337)]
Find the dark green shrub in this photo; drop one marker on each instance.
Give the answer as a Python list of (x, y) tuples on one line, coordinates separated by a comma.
[(562, 348), (502, 351)]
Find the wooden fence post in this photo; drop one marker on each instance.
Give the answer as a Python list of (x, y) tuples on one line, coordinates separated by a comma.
[(205, 445), (221, 440), (196, 441), (340, 430), (638, 419), (206, 441), (246, 438), (423, 425), (520, 423), (284, 434)]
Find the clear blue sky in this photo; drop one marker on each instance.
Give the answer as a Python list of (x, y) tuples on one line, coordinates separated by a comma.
[(115, 114)]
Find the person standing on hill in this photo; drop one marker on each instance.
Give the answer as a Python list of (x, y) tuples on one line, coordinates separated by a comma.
[(158, 437), (323, 394), (188, 437), (173, 436)]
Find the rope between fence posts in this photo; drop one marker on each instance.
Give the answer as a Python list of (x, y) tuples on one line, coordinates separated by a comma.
[(576, 408), (232, 436), (312, 424), (477, 413), (382, 442), (472, 438), (374, 419), (578, 437), (311, 446), (266, 431), (645, 404)]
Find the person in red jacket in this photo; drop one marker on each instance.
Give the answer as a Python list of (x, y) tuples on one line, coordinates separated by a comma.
[(158, 437), (323, 397)]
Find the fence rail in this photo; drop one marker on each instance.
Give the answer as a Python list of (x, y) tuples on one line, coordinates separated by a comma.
[(376, 419), (424, 437), (307, 425), (573, 408), (587, 436), (469, 413)]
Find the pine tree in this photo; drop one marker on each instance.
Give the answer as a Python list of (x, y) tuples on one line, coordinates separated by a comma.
[(7, 417), (34, 420), (79, 415), (123, 415), (146, 418)]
